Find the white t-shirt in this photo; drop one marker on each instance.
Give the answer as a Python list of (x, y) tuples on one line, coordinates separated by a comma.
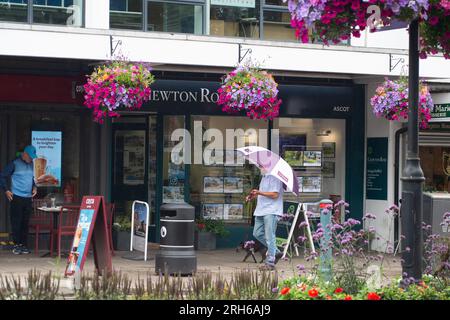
[(266, 205)]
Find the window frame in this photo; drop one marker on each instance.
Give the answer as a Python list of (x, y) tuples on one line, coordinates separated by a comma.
[(30, 15), (201, 3)]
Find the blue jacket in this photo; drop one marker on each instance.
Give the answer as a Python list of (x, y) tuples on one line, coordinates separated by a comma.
[(22, 178)]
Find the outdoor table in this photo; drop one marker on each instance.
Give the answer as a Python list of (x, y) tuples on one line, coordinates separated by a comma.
[(55, 211)]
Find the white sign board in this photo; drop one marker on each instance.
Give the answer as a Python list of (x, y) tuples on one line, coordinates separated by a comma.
[(139, 227), (234, 3)]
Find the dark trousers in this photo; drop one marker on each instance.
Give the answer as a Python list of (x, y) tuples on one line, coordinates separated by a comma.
[(20, 216)]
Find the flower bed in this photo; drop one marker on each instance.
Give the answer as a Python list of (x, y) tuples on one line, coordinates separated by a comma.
[(117, 84), (302, 288), (251, 90), (391, 102)]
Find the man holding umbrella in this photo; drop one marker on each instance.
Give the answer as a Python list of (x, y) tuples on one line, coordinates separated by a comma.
[(268, 210), (277, 177)]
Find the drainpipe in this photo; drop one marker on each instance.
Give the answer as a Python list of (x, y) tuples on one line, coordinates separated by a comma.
[(398, 134)]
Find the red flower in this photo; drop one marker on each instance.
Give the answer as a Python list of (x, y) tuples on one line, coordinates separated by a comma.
[(313, 293), (373, 296), (338, 290), (201, 226), (285, 291), (348, 298)]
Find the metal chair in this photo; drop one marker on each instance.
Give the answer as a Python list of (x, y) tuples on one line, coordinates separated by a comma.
[(40, 222), (67, 225)]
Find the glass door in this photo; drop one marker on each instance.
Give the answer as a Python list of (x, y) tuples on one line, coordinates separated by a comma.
[(130, 163)]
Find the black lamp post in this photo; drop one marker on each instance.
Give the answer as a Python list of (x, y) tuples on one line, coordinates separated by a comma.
[(411, 209)]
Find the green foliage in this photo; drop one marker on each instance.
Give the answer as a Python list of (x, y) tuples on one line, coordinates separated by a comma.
[(35, 287), (217, 227), (122, 223)]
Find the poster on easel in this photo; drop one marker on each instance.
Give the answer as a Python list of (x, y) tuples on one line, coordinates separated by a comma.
[(139, 227), (91, 226)]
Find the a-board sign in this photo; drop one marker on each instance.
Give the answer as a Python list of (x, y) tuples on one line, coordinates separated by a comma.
[(299, 216), (139, 227), (91, 226)]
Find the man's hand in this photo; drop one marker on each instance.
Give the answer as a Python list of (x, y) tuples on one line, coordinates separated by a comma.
[(252, 195), (9, 195), (34, 192)]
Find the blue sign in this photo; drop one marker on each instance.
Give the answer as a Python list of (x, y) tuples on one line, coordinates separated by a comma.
[(79, 241), (47, 165)]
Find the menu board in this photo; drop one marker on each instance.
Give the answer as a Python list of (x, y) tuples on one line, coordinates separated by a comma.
[(91, 226), (47, 165)]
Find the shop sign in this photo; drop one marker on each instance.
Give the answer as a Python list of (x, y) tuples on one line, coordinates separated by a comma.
[(234, 3), (91, 226), (441, 112), (205, 95), (376, 175), (439, 126), (47, 165), (139, 227)]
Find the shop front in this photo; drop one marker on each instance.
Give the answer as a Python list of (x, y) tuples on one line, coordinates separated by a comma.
[(45, 110), (180, 147), (434, 150)]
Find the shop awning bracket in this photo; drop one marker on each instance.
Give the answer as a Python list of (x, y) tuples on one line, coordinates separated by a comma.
[(391, 62), (246, 51), (111, 41)]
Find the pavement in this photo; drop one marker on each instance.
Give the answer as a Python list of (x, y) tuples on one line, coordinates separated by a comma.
[(223, 261)]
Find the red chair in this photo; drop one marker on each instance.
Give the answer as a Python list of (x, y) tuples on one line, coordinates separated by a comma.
[(110, 209), (67, 225), (40, 222)]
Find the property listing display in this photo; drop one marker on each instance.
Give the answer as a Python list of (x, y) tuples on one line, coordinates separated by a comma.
[(312, 164), (47, 165)]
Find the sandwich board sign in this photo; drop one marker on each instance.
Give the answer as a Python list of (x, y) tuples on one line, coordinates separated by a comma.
[(139, 227), (92, 226), (298, 208)]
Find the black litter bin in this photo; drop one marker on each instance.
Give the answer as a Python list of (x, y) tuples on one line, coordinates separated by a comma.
[(176, 254)]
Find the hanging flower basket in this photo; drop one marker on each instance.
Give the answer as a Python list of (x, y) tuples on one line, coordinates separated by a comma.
[(119, 84), (391, 102), (252, 90), (435, 31), (335, 21)]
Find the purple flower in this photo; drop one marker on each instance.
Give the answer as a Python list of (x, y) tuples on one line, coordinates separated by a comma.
[(370, 216)]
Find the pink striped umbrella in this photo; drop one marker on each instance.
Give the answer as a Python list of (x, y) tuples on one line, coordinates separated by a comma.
[(273, 164)]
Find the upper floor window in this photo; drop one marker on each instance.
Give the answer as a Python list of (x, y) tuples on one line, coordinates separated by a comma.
[(16, 10), (58, 12), (126, 14), (235, 18), (176, 17)]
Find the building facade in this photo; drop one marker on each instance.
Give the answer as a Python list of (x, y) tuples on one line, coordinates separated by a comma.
[(49, 47)]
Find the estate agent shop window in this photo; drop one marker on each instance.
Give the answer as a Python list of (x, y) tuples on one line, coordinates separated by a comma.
[(218, 183)]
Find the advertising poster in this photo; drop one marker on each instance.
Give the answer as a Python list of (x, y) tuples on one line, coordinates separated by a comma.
[(140, 230), (79, 241), (233, 211), (47, 165)]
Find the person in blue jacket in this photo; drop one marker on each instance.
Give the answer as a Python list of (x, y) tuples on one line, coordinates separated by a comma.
[(17, 181)]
